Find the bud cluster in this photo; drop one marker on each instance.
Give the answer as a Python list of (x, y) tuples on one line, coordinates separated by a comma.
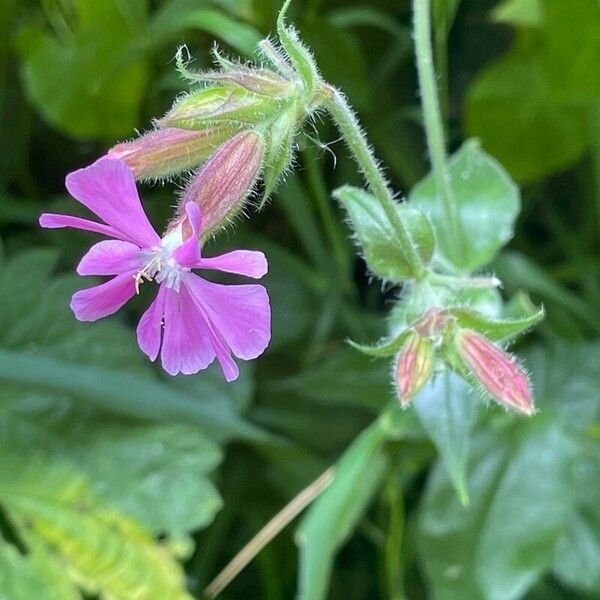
[(248, 116), (452, 337)]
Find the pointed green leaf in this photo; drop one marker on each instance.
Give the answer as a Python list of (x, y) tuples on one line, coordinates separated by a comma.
[(496, 329), (376, 235)]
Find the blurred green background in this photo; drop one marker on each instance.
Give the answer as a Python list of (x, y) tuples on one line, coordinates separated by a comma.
[(111, 473)]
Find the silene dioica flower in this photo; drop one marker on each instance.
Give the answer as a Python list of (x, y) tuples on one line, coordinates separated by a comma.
[(192, 320)]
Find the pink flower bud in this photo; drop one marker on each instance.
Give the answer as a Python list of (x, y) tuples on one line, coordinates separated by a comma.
[(498, 372), (223, 184), (166, 152), (413, 367)]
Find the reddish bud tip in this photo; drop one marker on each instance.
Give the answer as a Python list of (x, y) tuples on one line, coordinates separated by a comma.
[(223, 184), (498, 372), (169, 151), (414, 365)]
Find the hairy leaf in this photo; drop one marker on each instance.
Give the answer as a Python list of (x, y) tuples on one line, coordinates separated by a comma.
[(376, 235)]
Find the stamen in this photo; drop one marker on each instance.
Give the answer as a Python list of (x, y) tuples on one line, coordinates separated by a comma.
[(147, 272)]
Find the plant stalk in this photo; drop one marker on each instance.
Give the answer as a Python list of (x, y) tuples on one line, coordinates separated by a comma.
[(347, 123), (432, 118)]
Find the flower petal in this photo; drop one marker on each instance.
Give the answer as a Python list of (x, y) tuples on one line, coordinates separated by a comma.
[(228, 365), (105, 299), (108, 189), (149, 329), (110, 257), (187, 344), (54, 221), (241, 314), (241, 262), (188, 254)]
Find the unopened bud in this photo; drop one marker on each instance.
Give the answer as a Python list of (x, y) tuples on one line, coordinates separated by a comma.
[(497, 371), (223, 184), (166, 152), (219, 106), (414, 365), (259, 81)]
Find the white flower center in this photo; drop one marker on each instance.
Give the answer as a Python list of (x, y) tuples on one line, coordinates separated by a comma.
[(160, 265)]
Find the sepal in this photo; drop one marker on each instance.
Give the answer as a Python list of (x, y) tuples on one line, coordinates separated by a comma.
[(299, 55)]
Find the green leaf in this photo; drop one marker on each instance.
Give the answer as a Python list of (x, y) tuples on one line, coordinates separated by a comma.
[(154, 473), (46, 350), (488, 203), (526, 13), (573, 25), (376, 236), (529, 509), (577, 556), (120, 392), (522, 272), (343, 376), (532, 134), (102, 551), (22, 579), (566, 381), (177, 16), (447, 408), (496, 329), (332, 517), (499, 545), (85, 82)]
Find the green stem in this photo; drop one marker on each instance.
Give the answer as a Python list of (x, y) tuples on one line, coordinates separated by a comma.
[(433, 119), (347, 123)]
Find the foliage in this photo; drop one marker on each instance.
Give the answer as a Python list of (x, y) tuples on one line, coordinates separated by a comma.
[(120, 482)]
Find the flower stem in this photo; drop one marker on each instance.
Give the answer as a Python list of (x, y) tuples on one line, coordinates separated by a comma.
[(347, 123), (432, 117)]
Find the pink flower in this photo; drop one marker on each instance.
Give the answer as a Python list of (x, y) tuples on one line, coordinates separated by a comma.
[(192, 320)]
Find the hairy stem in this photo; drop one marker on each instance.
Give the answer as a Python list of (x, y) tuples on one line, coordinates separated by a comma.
[(346, 121), (433, 120)]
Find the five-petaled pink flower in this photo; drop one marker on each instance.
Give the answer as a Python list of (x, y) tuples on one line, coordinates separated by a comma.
[(192, 320)]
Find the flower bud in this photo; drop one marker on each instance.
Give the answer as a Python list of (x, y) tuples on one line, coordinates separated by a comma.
[(221, 105), (497, 371), (259, 81), (170, 151), (414, 365), (222, 185)]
